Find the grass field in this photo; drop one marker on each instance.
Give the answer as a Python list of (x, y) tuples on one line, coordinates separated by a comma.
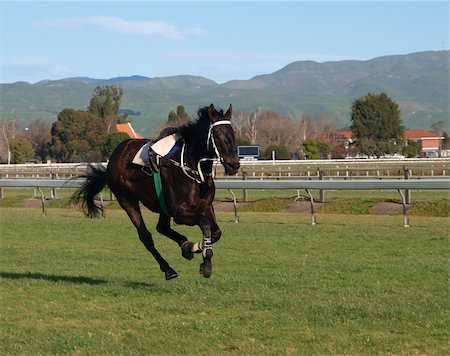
[(349, 285)]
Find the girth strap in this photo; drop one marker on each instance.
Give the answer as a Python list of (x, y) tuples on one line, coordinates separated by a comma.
[(160, 193)]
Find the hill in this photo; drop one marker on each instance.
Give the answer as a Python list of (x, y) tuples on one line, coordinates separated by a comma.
[(419, 82)]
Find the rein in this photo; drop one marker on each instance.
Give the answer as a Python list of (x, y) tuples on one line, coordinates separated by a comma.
[(198, 175)]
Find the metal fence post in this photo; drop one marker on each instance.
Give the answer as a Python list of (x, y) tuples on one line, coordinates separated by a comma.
[(54, 188), (407, 175), (321, 191), (245, 191)]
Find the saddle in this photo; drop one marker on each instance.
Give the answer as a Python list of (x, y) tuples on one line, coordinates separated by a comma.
[(150, 155)]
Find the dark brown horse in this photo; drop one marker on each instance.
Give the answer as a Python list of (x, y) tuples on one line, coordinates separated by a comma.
[(187, 185)]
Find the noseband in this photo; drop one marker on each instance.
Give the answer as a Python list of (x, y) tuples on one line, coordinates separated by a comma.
[(191, 173)]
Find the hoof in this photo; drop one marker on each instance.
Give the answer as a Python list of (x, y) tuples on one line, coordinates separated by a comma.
[(170, 274), (186, 250), (206, 266), (206, 269)]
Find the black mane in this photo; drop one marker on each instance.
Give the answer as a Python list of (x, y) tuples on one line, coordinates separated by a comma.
[(189, 129)]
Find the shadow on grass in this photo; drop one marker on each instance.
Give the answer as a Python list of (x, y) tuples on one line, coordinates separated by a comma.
[(73, 279), (53, 278)]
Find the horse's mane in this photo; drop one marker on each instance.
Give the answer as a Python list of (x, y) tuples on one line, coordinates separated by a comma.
[(188, 129)]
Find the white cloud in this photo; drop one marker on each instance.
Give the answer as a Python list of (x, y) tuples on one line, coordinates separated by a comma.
[(114, 24)]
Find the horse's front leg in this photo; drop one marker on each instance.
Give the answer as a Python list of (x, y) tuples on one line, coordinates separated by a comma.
[(206, 247)]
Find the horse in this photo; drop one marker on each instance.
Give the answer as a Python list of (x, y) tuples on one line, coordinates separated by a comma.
[(187, 190)]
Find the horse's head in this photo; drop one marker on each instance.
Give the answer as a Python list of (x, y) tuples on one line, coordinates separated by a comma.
[(221, 139)]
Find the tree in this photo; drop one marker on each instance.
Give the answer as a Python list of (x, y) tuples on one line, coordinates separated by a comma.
[(376, 123), (112, 141), (325, 149), (446, 141), (244, 125), (310, 149), (38, 133), (281, 152), (21, 150), (412, 149), (275, 129), (105, 103), (178, 118), (9, 131), (307, 128), (368, 146), (77, 136)]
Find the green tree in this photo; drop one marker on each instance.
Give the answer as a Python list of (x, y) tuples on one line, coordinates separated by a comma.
[(21, 150), (77, 136), (112, 141), (105, 103), (310, 149), (446, 141), (325, 149), (376, 124), (412, 149), (38, 133), (281, 152), (178, 117)]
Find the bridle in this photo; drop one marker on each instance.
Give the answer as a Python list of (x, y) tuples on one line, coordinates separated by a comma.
[(198, 175)]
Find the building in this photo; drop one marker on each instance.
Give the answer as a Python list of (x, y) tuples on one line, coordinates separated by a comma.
[(429, 141), (128, 129)]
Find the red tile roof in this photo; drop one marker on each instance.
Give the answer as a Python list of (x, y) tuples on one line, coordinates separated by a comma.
[(347, 134), (420, 134), (128, 129), (409, 134)]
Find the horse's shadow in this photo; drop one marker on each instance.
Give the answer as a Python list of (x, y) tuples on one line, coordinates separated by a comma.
[(53, 278), (72, 279)]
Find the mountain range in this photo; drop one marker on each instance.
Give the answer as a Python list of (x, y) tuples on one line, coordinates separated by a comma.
[(418, 82)]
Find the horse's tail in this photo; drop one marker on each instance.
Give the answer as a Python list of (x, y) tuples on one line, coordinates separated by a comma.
[(94, 183)]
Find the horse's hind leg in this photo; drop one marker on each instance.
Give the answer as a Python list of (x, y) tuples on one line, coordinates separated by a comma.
[(131, 206), (164, 228)]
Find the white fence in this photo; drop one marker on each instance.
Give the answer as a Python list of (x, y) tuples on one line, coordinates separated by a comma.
[(281, 168), (369, 184)]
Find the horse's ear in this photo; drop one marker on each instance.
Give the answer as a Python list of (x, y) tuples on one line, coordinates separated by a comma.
[(229, 113), (212, 113)]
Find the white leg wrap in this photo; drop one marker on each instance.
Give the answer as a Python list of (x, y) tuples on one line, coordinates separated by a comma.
[(206, 245), (197, 247)]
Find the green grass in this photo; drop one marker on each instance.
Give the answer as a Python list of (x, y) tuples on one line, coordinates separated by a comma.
[(440, 208), (354, 206), (365, 285), (268, 205)]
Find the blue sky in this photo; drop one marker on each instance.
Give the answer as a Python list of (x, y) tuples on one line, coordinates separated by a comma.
[(220, 40)]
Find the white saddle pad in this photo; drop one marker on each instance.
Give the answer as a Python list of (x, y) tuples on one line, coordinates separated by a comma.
[(161, 147)]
